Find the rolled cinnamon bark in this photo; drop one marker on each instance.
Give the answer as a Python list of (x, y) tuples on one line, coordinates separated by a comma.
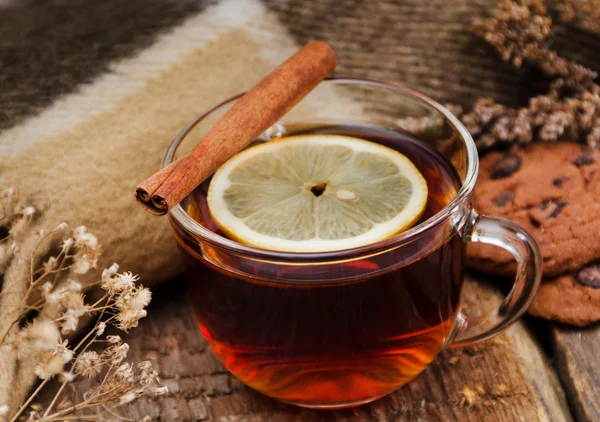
[(255, 112)]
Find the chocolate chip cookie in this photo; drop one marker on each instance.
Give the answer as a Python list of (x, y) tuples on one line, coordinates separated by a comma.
[(553, 191), (572, 299)]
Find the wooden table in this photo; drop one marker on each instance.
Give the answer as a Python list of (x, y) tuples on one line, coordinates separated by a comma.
[(534, 371)]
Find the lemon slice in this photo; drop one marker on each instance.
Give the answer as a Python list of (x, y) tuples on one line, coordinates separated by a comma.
[(316, 193)]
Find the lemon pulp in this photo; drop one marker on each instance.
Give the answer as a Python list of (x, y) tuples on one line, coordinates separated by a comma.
[(316, 193)]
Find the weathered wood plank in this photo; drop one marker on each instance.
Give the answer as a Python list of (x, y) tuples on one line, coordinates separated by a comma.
[(506, 379), (578, 365)]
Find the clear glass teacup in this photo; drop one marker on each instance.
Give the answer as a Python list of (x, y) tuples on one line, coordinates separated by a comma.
[(343, 328)]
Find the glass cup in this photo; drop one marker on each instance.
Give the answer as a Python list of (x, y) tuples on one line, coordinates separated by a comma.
[(343, 328)]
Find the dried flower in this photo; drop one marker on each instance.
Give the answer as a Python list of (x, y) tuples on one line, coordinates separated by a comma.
[(117, 353), (158, 391), (107, 273), (129, 318), (49, 368), (570, 110), (82, 266), (50, 264), (145, 365), (547, 118), (83, 238), (27, 211), (125, 372), (584, 13), (66, 245), (84, 262), (73, 301), (69, 322), (75, 309), (46, 288), (88, 364), (130, 305), (54, 297), (122, 304), (113, 339), (148, 377), (41, 335), (120, 283), (63, 351), (127, 397), (67, 376), (73, 286), (68, 298), (138, 299), (518, 30)]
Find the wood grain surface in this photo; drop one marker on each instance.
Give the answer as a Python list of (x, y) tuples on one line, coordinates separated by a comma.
[(578, 363), (506, 379)]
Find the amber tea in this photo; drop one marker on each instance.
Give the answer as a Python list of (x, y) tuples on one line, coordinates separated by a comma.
[(338, 333)]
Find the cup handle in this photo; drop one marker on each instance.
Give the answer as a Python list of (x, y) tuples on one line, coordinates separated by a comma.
[(514, 239)]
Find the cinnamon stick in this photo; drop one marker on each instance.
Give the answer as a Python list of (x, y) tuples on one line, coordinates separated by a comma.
[(261, 107)]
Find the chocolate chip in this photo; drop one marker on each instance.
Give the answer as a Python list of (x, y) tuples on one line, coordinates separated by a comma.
[(504, 198), (558, 207), (506, 166), (590, 275), (534, 221), (559, 182), (589, 177), (546, 211), (585, 159)]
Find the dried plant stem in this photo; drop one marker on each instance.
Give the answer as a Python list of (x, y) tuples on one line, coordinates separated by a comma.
[(112, 412), (35, 306), (12, 324), (39, 270), (64, 413), (30, 399), (74, 418), (86, 404), (92, 332), (55, 399), (57, 272)]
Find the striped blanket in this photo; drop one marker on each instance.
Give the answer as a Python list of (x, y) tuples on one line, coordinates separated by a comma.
[(93, 92)]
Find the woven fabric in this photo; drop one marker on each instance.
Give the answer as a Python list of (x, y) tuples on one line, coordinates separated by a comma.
[(92, 92)]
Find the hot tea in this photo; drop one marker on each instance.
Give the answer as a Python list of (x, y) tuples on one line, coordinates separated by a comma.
[(338, 332)]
